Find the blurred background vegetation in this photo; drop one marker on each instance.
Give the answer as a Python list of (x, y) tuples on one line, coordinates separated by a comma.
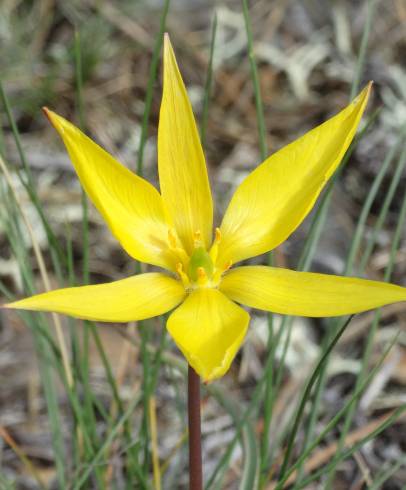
[(119, 421)]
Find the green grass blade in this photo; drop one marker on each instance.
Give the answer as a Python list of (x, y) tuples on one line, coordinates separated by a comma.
[(363, 48), (341, 413), (355, 447), (153, 73), (208, 84), (51, 398), (250, 473), (366, 208), (371, 335), (259, 109), (306, 395), (43, 342), (387, 473), (384, 210), (249, 410), (82, 124), (29, 185), (96, 460), (354, 247), (144, 329)]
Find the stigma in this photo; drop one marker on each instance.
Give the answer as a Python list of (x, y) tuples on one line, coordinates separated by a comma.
[(201, 267)]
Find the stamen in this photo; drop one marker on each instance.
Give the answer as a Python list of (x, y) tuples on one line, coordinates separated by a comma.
[(176, 248), (201, 276), (220, 271), (183, 277), (227, 265), (197, 239), (172, 238), (215, 247)]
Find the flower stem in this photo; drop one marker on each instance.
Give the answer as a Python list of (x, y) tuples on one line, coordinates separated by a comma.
[(195, 444)]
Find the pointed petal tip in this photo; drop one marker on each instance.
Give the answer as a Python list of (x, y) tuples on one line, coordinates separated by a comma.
[(61, 124), (308, 294), (365, 92), (47, 112), (52, 117), (369, 86), (15, 305), (184, 182), (247, 227), (110, 302), (361, 99), (168, 50)]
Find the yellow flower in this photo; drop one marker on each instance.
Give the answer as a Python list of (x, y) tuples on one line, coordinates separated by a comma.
[(173, 230)]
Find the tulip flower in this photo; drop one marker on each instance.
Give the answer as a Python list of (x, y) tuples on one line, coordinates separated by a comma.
[(173, 230)]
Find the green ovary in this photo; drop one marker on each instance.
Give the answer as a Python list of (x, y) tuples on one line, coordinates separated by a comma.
[(200, 258)]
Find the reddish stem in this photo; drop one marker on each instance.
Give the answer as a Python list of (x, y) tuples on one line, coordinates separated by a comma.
[(195, 444)]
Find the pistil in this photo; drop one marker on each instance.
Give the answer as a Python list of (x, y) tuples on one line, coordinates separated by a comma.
[(200, 261)]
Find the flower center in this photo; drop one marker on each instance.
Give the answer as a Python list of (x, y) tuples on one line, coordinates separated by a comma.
[(200, 269)]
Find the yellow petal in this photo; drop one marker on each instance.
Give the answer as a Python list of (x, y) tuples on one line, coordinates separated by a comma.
[(275, 198), (182, 169), (135, 298), (306, 293), (208, 328), (131, 206)]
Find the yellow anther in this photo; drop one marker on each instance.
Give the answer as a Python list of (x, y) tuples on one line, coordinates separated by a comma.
[(176, 248), (227, 265), (183, 277), (215, 247), (217, 235), (220, 271), (201, 276), (197, 238), (172, 238)]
